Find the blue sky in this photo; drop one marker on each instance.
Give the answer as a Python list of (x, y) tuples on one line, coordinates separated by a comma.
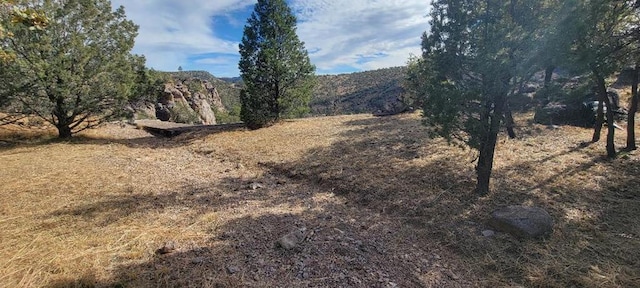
[(342, 36)]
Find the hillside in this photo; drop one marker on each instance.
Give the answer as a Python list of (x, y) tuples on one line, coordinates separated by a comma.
[(383, 206), (360, 92)]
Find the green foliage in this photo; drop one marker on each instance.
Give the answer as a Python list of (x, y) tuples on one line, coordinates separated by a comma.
[(78, 71), (475, 55), (230, 116), (182, 113), (148, 83), (195, 85), (19, 17), (414, 84), (600, 33), (274, 66)]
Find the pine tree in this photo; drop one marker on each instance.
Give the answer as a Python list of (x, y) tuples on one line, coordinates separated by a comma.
[(78, 71), (274, 66)]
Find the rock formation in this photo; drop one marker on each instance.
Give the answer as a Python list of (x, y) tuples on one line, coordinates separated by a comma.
[(189, 101)]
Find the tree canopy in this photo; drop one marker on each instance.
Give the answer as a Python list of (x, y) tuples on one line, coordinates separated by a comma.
[(474, 57), (479, 52), (274, 66), (78, 71), (18, 14)]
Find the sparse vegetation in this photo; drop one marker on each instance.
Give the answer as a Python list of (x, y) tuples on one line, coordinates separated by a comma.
[(360, 92), (381, 203), (370, 201)]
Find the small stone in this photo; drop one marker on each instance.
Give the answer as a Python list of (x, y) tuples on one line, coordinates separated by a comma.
[(255, 186), (292, 239), (167, 248), (232, 269), (197, 260), (488, 233), (452, 275)]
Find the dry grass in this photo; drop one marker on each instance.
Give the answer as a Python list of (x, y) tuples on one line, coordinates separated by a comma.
[(382, 204)]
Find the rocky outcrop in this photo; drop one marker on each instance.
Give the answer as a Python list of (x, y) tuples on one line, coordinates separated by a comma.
[(189, 101)]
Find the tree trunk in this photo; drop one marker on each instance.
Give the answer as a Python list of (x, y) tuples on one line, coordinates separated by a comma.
[(631, 117), (488, 145), (602, 98), (611, 130), (548, 73), (64, 131), (508, 117), (61, 120)]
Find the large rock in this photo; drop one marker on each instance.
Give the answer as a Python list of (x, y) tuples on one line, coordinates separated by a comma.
[(189, 99), (522, 221), (556, 113)]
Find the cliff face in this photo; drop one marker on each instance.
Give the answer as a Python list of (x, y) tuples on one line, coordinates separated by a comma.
[(189, 101)]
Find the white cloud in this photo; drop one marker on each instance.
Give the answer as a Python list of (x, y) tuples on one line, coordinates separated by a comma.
[(171, 32), (346, 33), (362, 34)]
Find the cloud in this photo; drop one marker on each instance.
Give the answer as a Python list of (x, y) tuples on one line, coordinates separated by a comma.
[(172, 32), (341, 36), (363, 34)]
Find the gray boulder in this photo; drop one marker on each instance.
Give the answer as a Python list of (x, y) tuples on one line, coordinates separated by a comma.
[(555, 113), (522, 221)]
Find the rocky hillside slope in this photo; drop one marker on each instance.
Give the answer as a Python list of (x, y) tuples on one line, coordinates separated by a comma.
[(377, 91), (197, 96)]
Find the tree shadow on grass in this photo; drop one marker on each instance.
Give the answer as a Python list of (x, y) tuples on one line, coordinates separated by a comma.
[(144, 140), (387, 166), (399, 202), (342, 245)]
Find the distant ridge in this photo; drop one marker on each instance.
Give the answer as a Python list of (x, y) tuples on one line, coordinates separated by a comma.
[(375, 91)]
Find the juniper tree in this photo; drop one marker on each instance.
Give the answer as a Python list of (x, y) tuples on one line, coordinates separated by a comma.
[(78, 71), (601, 33), (274, 66), (474, 57)]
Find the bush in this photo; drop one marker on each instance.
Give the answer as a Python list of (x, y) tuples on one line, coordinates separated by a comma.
[(227, 117), (181, 113)]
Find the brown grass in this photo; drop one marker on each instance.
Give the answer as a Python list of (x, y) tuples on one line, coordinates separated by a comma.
[(383, 206)]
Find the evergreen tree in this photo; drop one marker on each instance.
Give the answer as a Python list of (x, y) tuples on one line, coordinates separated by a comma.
[(23, 16), (474, 57), (78, 71), (274, 66), (601, 34)]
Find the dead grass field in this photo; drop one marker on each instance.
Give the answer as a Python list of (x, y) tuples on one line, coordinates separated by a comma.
[(383, 207)]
